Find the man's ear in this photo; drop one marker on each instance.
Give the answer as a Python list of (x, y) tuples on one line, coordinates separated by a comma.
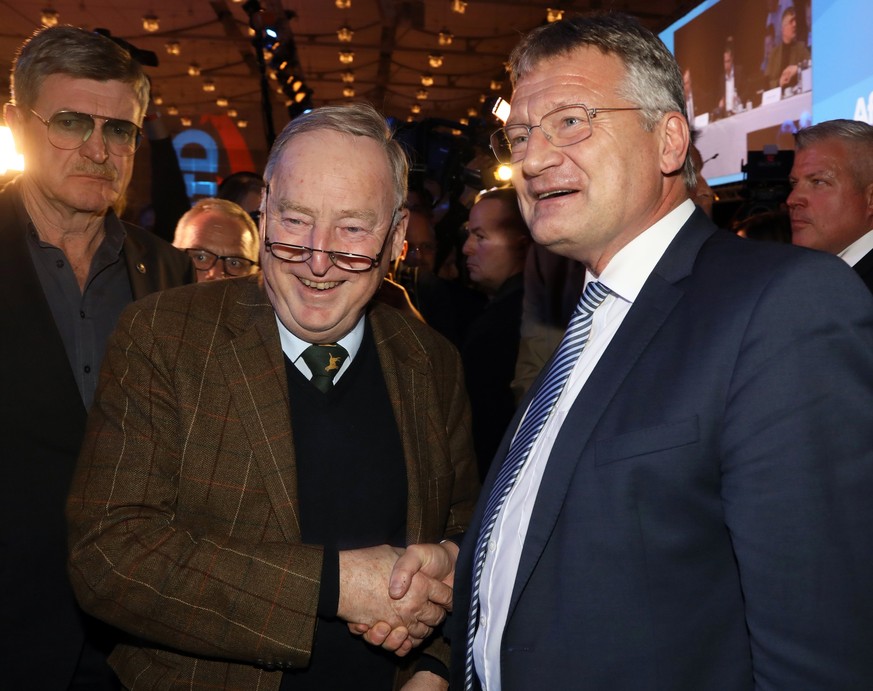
[(868, 199), (675, 140), (12, 116), (398, 242)]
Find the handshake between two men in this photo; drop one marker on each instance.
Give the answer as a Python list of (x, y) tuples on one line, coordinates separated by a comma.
[(417, 597)]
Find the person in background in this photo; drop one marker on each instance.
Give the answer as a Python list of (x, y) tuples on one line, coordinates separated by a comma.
[(495, 250), (782, 66), (243, 188), (683, 499), (263, 449), (68, 267), (831, 199), (220, 237)]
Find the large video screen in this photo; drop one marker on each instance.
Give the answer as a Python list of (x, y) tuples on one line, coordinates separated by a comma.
[(755, 71)]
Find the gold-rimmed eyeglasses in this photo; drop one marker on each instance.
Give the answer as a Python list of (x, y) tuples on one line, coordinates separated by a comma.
[(562, 126), (69, 130)]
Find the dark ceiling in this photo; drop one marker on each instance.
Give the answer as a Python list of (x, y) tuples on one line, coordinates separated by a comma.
[(392, 41)]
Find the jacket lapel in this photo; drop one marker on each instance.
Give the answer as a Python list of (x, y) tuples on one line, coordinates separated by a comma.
[(659, 296), (254, 369), (406, 371)]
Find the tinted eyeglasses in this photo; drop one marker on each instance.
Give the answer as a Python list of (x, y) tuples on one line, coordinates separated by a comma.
[(69, 130), (204, 260)]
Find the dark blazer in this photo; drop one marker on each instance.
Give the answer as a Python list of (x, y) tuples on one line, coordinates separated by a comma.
[(42, 419), (704, 521), (864, 268), (184, 508)]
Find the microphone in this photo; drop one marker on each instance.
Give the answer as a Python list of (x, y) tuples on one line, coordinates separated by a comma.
[(711, 158)]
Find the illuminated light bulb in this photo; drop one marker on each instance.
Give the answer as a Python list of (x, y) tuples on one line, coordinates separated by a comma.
[(348, 77), (421, 94), (209, 85), (415, 109), (172, 110), (435, 60), (186, 122), (242, 124), (151, 23), (221, 102), (231, 112), (173, 48), (553, 15), (459, 6), (472, 112), (347, 57), (503, 173), (49, 17), (343, 4), (194, 69), (445, 37), (496, 85), (345, 34), (427, 79), (349, 92)]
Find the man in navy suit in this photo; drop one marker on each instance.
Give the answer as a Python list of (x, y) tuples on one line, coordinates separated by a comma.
[(695, 514), (831, 200)]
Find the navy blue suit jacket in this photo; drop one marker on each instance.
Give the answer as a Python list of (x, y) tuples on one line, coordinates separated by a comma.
[(705, 521)]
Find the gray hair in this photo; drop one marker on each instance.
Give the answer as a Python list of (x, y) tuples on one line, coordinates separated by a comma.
[(654, 80), (358, 120), (855, 134), (76, 53)]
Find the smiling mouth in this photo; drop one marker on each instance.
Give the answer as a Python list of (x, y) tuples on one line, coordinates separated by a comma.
[(553, 194), (318, 285)]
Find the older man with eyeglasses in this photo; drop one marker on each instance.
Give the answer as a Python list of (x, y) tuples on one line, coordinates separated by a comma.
[(68, 267), (220, 237), (264, 448)]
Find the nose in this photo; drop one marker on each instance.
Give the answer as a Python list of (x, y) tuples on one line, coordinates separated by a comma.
[(468, 247), (213, 274), (94, 146), (540, 153), (795, 198)]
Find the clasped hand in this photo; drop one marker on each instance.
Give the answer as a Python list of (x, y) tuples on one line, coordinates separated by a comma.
[(418, 595)]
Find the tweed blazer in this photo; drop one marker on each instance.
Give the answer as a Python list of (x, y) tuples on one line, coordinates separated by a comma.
[(184, 510)]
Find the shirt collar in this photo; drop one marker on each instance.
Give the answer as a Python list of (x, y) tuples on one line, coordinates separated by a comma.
[(630, 268), (293, 346), (858, 249)]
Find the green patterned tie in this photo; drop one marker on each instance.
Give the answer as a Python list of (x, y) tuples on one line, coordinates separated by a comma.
[(324, 361)]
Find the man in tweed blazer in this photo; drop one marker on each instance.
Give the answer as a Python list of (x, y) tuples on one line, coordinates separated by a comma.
[(199, 500)]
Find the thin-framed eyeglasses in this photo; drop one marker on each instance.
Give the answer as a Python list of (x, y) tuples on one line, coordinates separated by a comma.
[(562, 126), (69, 130), (204, 260), (347, 261)]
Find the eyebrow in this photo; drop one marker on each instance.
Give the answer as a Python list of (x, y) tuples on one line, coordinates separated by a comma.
[(365, 215)]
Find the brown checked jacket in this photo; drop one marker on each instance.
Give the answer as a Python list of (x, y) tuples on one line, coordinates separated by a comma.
[(183, 513)]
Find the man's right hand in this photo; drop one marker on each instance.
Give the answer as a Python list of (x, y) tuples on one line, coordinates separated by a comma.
[(417, 562), (417, 603)]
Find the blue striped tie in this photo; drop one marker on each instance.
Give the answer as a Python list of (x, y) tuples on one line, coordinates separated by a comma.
[(537, 413)]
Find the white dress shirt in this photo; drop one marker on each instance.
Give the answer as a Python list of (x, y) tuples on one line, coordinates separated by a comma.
[(858, 249), (293, 347), (624, 276)]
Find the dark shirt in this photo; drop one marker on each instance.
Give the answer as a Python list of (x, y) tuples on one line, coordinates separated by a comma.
[(84, 319)]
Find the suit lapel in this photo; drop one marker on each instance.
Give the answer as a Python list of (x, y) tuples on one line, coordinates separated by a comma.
[(406, 372), (254, 368), (659, 296)]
